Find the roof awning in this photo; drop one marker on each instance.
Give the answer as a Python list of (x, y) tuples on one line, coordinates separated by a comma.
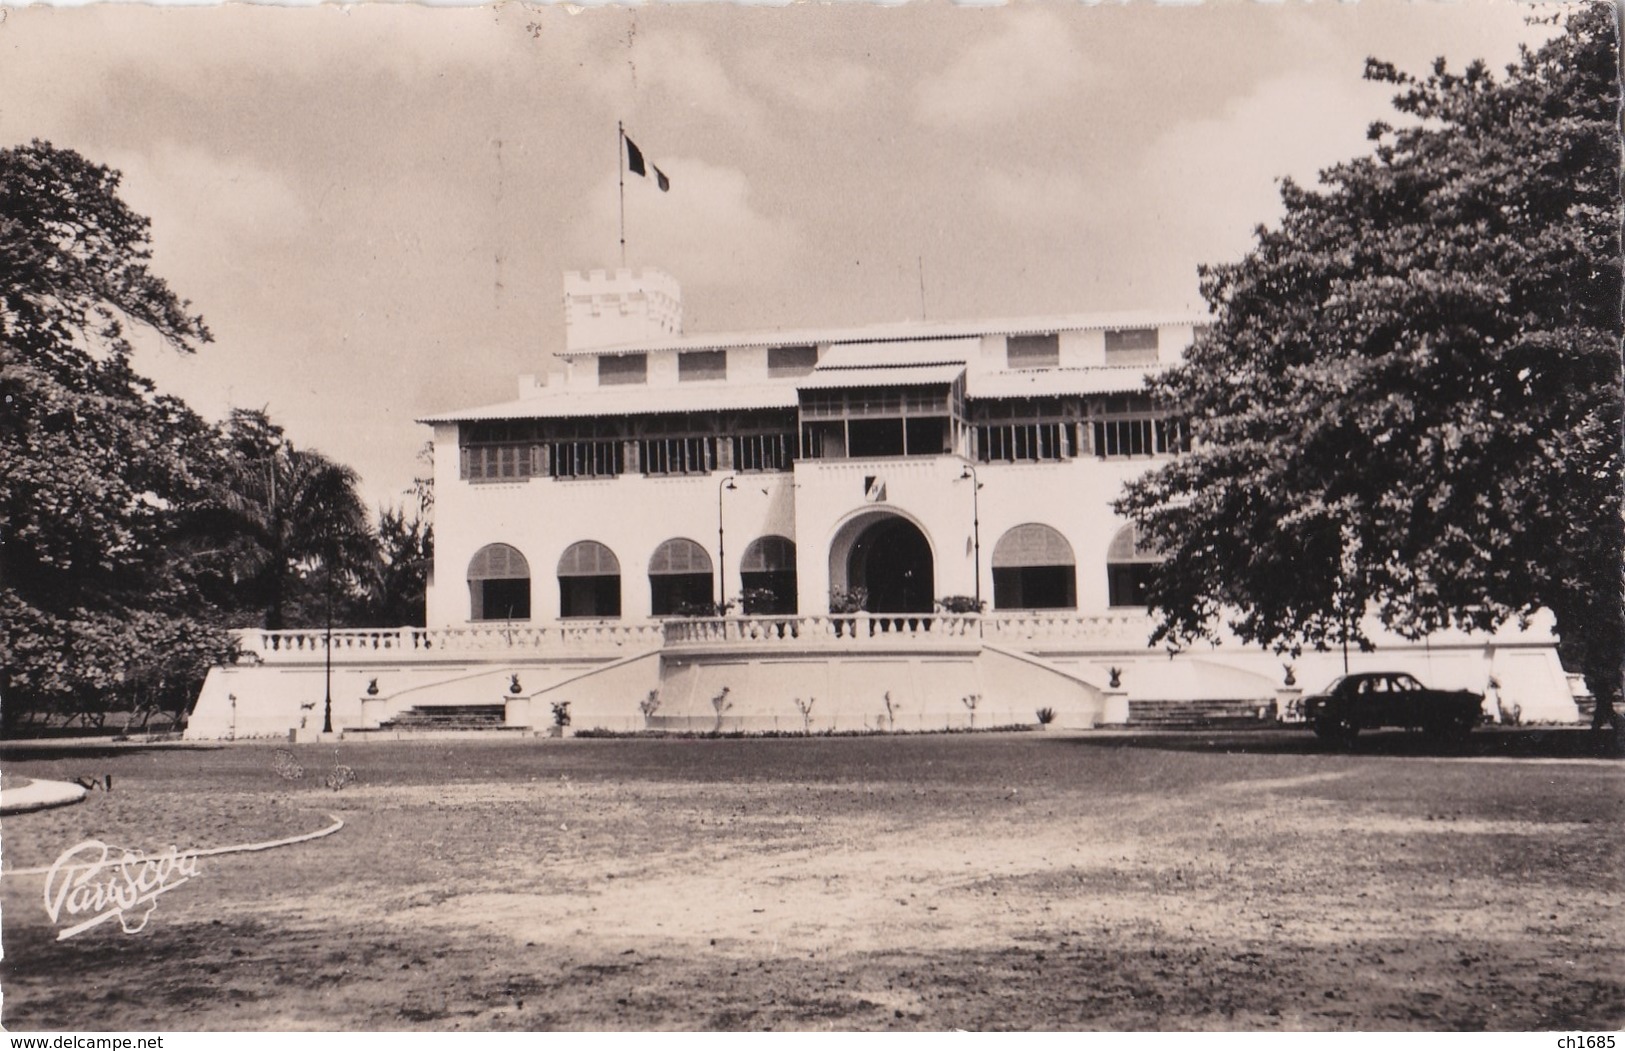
[(563, 403), (908, 354), (1042, 383), (901, 376)]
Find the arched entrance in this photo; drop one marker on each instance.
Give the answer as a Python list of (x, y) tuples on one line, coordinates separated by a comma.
[(887, 557)]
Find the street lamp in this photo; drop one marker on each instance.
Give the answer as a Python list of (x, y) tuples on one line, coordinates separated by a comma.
[(327, 705), (976, 526), (722, 559)]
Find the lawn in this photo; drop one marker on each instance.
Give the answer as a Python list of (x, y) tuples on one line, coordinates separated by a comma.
[(1032, 881)]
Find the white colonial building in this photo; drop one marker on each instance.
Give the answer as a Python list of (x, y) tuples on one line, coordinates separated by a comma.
[(848, 497)]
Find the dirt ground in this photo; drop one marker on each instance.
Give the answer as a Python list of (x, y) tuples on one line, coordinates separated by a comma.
[(1251, 881)]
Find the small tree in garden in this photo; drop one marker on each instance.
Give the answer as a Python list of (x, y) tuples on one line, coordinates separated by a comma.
[(805, 708), (649, 705), (970, 702), (561, 714), (722, 705), (891, 711)]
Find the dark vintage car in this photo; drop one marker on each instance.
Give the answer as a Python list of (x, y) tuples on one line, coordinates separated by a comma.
[(1370, 700)]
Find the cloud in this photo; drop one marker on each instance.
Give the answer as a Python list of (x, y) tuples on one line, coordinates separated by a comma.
[(679, 70), (1038, 197), (1029, 63), (190, 192), (815, 86), (1214, 180), (706, 229)]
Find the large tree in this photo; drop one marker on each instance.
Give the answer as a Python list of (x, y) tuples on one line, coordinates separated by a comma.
[(1410, 399), (293, 539), (97, 471), (398, 590)]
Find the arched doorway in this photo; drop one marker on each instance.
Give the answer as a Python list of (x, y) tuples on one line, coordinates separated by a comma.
[(887, 557), (1128, 569), (680, 579), (499, 584), (1033, 568), (767, 575), (589, 581)]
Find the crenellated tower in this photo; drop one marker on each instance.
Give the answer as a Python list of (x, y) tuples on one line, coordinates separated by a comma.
[(605, 308)]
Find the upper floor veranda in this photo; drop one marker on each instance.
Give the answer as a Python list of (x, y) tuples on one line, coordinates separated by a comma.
[(1032, 391)]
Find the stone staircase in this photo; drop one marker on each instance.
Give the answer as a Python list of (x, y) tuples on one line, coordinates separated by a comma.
[(446, 717), (1201, 715)]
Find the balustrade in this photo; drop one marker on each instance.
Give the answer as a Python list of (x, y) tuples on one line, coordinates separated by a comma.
[(1065, 626), (372, 645), (821, 629)]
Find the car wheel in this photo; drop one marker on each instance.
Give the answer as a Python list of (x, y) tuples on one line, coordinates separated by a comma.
[(1339, 729), (1450, 729)]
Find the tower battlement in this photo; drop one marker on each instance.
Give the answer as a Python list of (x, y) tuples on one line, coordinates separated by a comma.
[(606, 307)]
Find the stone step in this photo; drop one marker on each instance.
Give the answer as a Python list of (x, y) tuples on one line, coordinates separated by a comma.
[(460, 717), (1199, 715), (438, 733)]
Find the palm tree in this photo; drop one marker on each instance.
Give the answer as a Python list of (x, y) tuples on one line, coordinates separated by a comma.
[(290, 513)]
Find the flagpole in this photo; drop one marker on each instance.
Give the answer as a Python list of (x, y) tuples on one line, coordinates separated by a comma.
[(620, 169)]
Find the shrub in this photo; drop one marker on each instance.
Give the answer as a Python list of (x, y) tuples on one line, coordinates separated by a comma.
[(848, 600), (758, 601), (1046, 716), (805, 708), (961, 604), (721, 704)]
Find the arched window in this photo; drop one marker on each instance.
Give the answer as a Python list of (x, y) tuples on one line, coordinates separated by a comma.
[(499, 584), (767, 575), (679, 579), (1128, 569), (589, 581), (1033, 568)]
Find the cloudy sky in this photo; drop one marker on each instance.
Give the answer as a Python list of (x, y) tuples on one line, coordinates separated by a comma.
[(372, 206)]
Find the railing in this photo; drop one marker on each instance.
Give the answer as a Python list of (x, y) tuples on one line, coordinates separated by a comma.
[(369, 645), (373, 645), (833, 628), (1131, 630)]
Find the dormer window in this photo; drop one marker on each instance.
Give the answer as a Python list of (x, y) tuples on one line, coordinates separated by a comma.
[(1131, 346), (695, 365), (1032, 352), (616, 369), (791, 361)]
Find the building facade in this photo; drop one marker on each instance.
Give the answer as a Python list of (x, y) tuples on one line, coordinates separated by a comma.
[(888, 468), (688, 531)]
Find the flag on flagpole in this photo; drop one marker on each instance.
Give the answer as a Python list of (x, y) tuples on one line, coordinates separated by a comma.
[(637, 166)]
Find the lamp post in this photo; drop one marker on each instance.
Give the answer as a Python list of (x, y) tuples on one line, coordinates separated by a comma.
[(976, 525), (327, 707), (722, 558)]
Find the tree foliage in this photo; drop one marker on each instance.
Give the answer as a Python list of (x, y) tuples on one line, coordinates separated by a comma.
[(133, 532), (1410, 399), (399, 587), (290, 529), (98, 473)]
